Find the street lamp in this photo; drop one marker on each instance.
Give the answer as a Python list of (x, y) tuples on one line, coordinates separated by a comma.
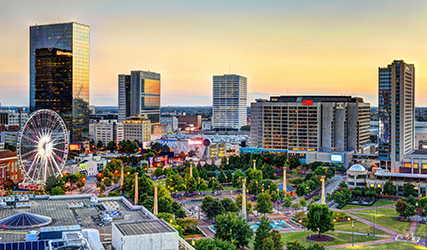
[(352, 231)]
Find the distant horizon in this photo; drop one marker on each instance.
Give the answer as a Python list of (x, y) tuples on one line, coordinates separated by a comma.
[(282, 47)]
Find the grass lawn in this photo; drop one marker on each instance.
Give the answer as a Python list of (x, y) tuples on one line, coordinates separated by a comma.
[(388, 222), (388, 246), (376, 204), (384, 211), (340, 238), (421, 231), (358, 227), (230, 188)]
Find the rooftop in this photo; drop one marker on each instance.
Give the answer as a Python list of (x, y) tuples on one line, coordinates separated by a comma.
[(319, 98), (62, 213), (7, 154), (144, 227), (403, 175)]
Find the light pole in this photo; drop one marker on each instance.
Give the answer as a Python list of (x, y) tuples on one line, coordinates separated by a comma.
[(352, 231)]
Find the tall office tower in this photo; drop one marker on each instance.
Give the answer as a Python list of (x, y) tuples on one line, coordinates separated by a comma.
[(396, 101), (59, 74), (145, 95), (310, 123), (124, 97), (229, 102)]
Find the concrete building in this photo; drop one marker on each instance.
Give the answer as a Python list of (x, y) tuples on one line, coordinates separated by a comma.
[(310, 123), (145, 95), (185, 121), (124, 96), (396, 99), (147, 235), (229, 102), (137, 129), (9, 169), (13, 118), (106, 131), (171, 123), (85, 222)]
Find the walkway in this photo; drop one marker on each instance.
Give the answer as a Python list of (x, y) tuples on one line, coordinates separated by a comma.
[(361, 244), (377, 226), (413, 227)]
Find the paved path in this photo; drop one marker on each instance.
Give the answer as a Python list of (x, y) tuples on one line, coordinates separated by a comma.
[(413, 227), (361, 244), (384, 229)]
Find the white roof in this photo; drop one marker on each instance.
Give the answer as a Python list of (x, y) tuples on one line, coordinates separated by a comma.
[(357, 168)]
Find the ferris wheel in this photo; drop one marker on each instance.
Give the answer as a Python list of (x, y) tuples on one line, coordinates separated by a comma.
[(43, 146)]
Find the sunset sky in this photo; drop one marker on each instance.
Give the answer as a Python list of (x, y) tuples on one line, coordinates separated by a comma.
[(282, 47)]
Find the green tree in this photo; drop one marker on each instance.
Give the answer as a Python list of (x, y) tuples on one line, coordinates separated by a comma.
[(390, 188), (99, 144), (233, 228), (409, 189), (212, 207), (229, 205), (263, 238), (263, 203), (214, 244), (294, 245), (342, 197), (423, 204), (57, 191), (238, 175), (287, 201), (111, 146), (277, 240), (319, 218), (405, 209)]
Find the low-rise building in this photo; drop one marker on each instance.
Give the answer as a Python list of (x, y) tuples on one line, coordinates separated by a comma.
[(137, 129), (171, 123), (106, 131)]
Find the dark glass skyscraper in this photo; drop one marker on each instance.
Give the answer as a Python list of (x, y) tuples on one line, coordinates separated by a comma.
[(396, 103), (59, 73), (124, 96)]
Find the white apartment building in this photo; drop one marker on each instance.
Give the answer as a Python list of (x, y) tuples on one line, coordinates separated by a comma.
[(229, 102), (106, 131), (137, 130)]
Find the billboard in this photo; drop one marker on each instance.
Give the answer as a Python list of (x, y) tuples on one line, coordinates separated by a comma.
[(337, 158)]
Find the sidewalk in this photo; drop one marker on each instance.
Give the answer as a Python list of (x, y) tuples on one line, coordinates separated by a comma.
[(384, 229)]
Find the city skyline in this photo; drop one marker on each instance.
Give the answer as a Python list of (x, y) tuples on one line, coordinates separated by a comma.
[(280, 47)]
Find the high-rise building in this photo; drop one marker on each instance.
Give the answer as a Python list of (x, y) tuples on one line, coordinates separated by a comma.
[(145, 95), (229, 102), (304, 124), (59, 73), (124, 96), (396, 101)]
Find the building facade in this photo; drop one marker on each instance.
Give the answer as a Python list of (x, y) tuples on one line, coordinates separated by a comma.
[(106, 131), (229, 102), (310, 123), (137, 130), (9, 168), (396, 101), (59, 74), (145, 95), (13, 118), (124, 96), (194, 121), (171, 123)]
